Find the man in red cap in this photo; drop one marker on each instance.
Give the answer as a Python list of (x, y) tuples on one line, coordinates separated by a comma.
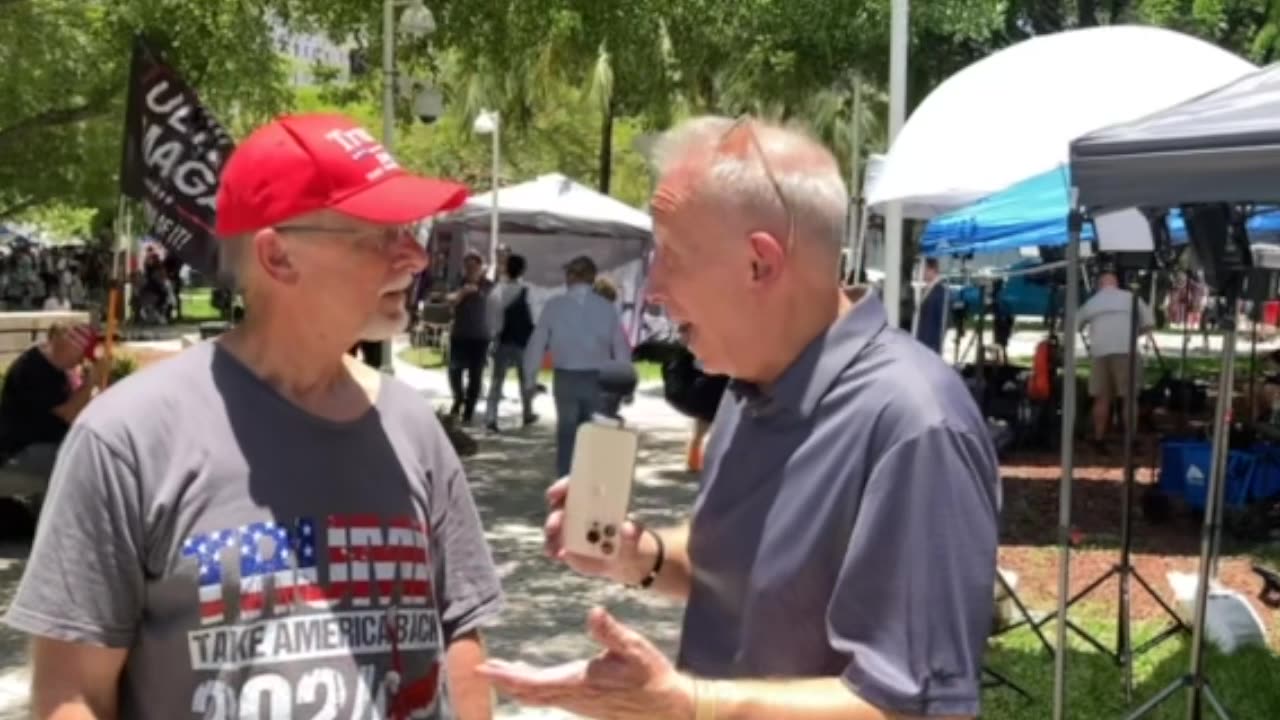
[(263, 526)]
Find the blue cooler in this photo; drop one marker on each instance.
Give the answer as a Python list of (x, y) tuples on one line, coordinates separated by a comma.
[(1266, 472), (1185, 467)]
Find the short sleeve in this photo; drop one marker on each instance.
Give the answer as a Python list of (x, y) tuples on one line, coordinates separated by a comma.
[(913, 600), (467, 585), (84, 579)]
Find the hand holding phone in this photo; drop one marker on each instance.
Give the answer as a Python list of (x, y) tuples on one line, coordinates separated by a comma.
[(599, 496)]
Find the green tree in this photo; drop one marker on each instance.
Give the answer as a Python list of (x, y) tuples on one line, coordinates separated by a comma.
[(63, 77)]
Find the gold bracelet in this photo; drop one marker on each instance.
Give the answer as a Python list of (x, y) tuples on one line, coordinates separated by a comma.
[(705, 697)]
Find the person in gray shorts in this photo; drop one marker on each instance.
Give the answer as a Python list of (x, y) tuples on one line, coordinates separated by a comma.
[(840, 560), (1108, 317), (264, 526)]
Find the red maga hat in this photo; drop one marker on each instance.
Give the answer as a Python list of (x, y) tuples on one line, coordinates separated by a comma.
[(303, 163)]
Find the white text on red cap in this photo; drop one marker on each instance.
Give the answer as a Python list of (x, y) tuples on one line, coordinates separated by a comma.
[(359, 144)]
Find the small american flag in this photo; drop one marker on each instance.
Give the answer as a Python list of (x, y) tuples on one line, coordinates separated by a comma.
[(265, 550)]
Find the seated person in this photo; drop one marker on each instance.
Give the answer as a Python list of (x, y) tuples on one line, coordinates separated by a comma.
[(42, 395)]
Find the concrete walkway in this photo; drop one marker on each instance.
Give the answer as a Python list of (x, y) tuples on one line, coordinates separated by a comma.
[(547, 604)]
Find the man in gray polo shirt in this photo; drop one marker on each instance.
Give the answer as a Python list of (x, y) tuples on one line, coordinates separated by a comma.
[(845, 533)]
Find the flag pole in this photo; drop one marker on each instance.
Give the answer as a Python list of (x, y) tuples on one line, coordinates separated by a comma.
[(120, 270)]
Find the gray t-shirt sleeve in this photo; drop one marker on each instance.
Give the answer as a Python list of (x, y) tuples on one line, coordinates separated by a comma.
[(84, 580), (913, 600), (466, 580)]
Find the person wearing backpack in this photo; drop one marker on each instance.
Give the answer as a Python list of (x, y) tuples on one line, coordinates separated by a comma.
[(512, 321)]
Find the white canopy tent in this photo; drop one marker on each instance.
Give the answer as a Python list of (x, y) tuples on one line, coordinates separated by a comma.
[(550, 220), (1013, 114)]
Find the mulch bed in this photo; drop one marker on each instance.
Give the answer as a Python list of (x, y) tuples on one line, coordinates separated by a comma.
[(1029, 535)]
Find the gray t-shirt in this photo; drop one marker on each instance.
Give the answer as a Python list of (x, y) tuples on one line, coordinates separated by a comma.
[(255, 560), (1108, 315)]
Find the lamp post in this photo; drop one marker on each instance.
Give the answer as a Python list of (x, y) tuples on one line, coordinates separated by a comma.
[(416, 21), (488, 122), (899, 33)]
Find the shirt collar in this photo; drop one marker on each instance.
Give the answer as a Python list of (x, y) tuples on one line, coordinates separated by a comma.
[(810, 376)]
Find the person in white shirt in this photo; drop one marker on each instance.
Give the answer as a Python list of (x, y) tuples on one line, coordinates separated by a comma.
[(511, 322), (1107, 315), (57, 301), (584, 333)]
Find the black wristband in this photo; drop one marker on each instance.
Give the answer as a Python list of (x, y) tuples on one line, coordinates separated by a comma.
[(649, 579)]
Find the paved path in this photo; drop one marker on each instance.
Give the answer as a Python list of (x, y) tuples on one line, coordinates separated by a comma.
[(547, 605)]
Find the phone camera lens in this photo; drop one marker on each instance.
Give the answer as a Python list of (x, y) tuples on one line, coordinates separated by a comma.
[(610, 531), (606, 547), (593, 536)]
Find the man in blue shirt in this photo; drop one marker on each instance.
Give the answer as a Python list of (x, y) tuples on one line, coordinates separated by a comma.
[(840, 558), (583, 332)]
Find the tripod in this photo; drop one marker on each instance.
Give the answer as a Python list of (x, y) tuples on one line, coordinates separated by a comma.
[(1195, 679), (1123, 569)]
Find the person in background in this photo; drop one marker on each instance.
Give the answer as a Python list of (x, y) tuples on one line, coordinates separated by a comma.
[(511, 319), (840, 559), (43, 394), (57, 300), (606, 288), (265, 485), (935, 308), (469, 337), (583, 332), (1108, 316)]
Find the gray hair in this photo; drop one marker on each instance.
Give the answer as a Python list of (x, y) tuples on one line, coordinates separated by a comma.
[(812, 189)]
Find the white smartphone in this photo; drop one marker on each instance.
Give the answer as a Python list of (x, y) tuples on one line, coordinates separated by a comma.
[(604, 466)]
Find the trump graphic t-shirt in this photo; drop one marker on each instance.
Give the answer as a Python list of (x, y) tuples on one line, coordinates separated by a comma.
[(257, 561)]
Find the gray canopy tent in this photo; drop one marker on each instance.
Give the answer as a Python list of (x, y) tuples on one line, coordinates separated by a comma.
[(1220, 148), (1223, 146)]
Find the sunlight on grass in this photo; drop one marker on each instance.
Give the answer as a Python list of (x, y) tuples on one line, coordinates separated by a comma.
[(197, 305), (1248, 682)]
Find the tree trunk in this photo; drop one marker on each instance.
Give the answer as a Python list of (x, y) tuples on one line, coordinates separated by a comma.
[(606, 147), (94, 106)]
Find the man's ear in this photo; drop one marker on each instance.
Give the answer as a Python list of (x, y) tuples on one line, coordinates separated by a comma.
[(766, 256), (272, 254)]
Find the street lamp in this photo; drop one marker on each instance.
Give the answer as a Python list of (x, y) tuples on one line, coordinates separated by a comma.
[(417, 21), (489, 123)]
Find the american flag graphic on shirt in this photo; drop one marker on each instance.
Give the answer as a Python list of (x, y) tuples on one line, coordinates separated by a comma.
[(346, 587)]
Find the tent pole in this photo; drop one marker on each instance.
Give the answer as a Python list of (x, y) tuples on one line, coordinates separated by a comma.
[(1075, 223)]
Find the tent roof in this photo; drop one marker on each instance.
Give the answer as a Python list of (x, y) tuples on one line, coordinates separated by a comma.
[(554, 203), (1034, 213), (1223, 146), (1013, 114)]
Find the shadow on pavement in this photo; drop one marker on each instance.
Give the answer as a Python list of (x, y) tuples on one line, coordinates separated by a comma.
[(547, 603)]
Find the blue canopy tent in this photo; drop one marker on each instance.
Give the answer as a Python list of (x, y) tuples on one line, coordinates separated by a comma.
[(1034, 212)]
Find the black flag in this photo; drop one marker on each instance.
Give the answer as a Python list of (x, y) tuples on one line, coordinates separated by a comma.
[(173, 153)]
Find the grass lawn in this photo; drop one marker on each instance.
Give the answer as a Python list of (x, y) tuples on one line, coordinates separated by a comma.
[(1247, 682), (197, 306), (1198, 367), (430, 358)]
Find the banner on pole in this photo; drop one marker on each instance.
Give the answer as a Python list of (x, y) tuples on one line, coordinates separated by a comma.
[(174, 151)]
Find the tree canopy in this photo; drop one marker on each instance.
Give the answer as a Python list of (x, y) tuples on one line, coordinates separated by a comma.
[(576, 82)]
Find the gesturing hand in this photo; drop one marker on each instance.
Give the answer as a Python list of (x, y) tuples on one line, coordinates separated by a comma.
[(630, 679)]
